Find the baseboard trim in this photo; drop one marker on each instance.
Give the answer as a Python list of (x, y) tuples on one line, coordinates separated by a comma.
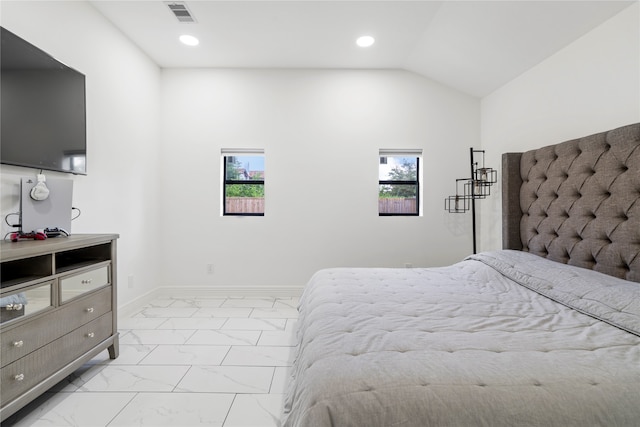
[(133, 306)]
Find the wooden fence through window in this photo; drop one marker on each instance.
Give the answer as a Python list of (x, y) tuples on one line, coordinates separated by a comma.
[(239, 205), (386, 205), (396, 205)]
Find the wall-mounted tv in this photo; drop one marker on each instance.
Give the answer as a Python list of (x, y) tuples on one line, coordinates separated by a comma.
[(42, 111)]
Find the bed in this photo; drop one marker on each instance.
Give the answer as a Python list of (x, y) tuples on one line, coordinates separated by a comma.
[(545, 332)]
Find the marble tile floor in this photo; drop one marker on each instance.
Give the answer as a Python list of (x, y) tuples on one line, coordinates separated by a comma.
[(183, 362)]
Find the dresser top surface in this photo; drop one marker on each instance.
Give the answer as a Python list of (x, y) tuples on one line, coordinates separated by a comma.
[(29, 248)]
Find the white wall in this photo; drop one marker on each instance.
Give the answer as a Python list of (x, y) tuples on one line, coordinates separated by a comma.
[(591, 86), (321, 132), (157, 184), (120, 193)]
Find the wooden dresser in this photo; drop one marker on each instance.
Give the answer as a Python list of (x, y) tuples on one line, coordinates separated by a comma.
[(58, 310)]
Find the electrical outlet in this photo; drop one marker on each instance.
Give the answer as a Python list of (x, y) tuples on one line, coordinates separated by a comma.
[(130, 283), (408, 265), (209, 268)]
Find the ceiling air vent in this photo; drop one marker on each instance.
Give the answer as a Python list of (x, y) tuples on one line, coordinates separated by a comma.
[(180, 10)]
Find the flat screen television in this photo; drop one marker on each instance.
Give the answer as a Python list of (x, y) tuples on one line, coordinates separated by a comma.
[(42, 111)]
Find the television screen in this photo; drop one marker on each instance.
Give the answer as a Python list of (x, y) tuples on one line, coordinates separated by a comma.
[(42, 111)]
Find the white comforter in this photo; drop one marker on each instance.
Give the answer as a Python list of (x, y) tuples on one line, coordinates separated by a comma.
[(467, 345)]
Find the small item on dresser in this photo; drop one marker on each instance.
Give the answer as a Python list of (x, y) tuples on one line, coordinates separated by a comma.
[(55, 232), (34, 235)]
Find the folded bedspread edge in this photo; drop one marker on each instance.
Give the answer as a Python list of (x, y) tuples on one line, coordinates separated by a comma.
[(612, 300)]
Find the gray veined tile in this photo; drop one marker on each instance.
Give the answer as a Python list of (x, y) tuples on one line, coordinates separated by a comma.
[(226, 379), (223, 312), (136, 378), (198, 302), (159, 303), (278, 338), (167, 312), (255, 324), (251, 410), (75, 409), (192, 323), (280, 380), (130, 354), (274, 313), (287, 303), (249, 302), (292, 325), (186, 355), (156, 336), (128, 323), (211, 337), (76, 380), (259, 356), (175, 409)]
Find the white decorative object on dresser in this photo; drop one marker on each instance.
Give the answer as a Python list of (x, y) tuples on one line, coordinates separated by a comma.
[(58, 310)]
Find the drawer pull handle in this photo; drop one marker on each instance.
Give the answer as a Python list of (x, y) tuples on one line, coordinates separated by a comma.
[(18, 343), (19, 377), (91, 335), (90, 310), (86, 281)]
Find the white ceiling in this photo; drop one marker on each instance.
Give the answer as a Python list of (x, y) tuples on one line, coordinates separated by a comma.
[(473, 46)]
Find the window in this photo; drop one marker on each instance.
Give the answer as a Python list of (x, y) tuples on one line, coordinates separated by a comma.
[(398, 180), (243, 187)]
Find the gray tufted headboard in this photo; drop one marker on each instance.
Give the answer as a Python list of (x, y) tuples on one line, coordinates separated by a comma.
[(577, 202)]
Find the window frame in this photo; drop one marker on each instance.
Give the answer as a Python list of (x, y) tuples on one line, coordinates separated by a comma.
[(238, 153), (417, 154)]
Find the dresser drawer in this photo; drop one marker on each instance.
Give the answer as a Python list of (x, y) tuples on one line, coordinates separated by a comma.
[(28, 371), (22, 340), (75, 285)]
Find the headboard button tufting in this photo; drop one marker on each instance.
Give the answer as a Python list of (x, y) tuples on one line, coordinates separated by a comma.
[(582, 187)]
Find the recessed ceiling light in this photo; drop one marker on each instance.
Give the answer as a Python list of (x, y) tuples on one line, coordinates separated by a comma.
[(189, 40), (365, 41)]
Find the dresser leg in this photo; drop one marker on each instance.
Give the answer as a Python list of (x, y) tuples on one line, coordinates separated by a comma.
[(114, 349)]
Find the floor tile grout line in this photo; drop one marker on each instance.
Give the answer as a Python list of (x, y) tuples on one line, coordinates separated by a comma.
[(162, 323), (226, 354), (229, 410), (272, 379), (173, 390), (122, 409), (224, 323), (155, 346)]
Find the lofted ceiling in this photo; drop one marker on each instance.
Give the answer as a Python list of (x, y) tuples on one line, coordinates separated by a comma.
[(473, 46)]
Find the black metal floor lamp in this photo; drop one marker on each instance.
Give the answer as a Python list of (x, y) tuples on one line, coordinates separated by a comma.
[(478, 186)]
